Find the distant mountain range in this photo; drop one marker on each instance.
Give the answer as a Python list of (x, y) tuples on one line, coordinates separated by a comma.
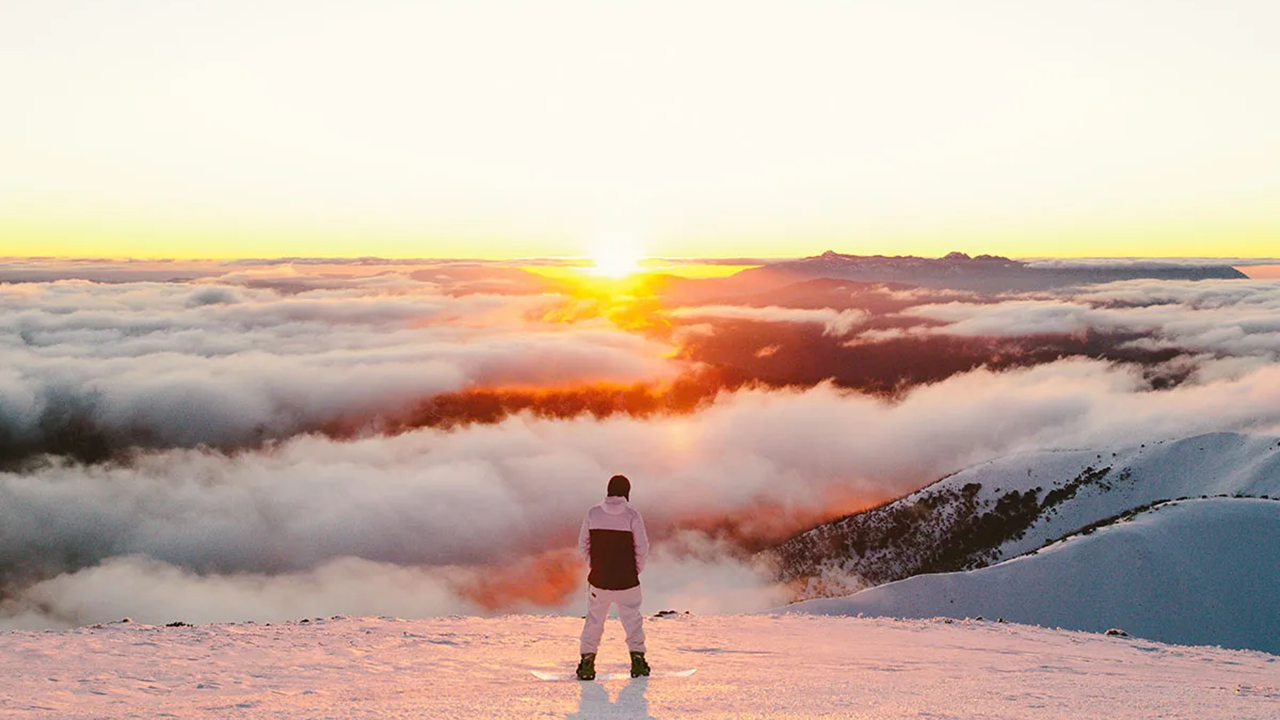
[(958, 271), (1025, 503)]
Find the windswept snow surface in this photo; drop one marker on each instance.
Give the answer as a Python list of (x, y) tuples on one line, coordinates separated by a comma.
[(1194, 572), (789, 666)]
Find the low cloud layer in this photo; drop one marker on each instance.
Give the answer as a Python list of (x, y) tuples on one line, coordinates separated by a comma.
[(91, 366), (302, 442), (833, 322), (1222, 318), (154, 592), (482, 500)]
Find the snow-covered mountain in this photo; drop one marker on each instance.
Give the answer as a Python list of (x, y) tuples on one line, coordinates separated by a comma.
[(1196, 572), (1172, 541), (1013, 505)]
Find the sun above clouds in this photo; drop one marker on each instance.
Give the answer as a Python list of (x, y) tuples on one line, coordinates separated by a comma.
[(615, 256)]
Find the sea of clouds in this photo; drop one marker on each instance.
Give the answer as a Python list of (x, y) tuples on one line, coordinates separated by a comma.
[(169, 454)]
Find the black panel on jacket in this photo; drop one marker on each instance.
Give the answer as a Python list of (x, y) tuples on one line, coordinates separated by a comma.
[(613, 560)]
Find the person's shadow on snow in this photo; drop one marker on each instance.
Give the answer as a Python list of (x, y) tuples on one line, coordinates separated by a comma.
[(630, 705)]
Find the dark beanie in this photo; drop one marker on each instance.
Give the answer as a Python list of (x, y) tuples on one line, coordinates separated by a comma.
[(620, 486)]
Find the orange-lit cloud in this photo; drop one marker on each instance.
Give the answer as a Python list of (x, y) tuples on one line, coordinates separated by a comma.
[(274, 428), (545, 580)]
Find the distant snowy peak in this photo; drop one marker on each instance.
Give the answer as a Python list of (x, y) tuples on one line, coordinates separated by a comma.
[(1199, 572), (983, 273), (1017, 504)]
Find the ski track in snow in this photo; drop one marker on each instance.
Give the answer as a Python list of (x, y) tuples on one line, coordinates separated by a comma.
[(788, 666)]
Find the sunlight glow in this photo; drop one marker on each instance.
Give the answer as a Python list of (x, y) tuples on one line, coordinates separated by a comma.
[(615, 256)]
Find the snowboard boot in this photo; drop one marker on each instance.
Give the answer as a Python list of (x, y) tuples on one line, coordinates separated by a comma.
[(639, 668), (587, 667)]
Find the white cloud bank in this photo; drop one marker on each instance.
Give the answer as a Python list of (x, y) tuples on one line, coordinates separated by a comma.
[(834, 322), (487, 496), (1225, 318), (165, 364), (430, 521)]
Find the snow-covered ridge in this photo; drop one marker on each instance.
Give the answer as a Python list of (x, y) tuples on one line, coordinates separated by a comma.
[(1013, 505), (795, 667), (1198, 572)]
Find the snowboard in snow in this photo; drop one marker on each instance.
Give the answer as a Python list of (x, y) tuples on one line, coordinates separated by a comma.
[(608, 676)]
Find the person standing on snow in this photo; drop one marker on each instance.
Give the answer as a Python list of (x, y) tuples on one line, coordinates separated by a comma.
[(614, 543)]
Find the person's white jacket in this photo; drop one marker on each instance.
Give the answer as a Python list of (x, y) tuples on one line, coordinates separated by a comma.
[(614, 543)]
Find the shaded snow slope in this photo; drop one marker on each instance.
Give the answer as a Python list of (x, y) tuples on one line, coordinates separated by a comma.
[(1192, 572), (1016, 504), (793, 667)]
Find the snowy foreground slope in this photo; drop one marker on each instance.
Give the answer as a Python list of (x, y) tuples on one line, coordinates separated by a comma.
[(1196, 571), (790, 666)]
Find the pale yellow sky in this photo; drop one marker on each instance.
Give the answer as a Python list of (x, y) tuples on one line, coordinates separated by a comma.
[(316, 127)]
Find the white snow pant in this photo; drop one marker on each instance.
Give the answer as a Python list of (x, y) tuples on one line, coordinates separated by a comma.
[(598, 602)]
